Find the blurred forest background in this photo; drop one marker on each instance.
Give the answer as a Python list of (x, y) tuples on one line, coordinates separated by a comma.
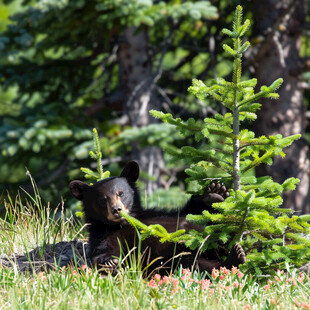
[(67, 66)]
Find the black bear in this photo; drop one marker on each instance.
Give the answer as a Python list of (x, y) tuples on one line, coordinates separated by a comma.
[(108, 231)]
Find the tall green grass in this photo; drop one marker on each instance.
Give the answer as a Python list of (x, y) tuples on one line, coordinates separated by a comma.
[(28, 223)]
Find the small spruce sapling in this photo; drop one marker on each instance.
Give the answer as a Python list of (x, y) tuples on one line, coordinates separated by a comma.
[(252, 214), (96, 155), (91, 175)]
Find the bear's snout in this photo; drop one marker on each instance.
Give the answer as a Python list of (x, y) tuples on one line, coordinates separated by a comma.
[(116, 209)]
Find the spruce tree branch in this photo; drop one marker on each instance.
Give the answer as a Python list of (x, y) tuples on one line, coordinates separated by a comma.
[(215, 124), (259, 161), (219, 150), (60, 62), (252, 98), (252, 144), (242, 224), (216, 162), (267, 234)]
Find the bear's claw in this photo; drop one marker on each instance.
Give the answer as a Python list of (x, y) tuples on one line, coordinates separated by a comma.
[(107, 265)]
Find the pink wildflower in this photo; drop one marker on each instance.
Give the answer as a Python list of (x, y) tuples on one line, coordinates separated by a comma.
[(205, 284), (211, 292), (157, 277), (175, 282), (297, 303), (234, 270), (186, 272), (247, 307), (240, 274), (175, 289), (153, 284), (222, 277), (166, 279), (84, 267), (273, 301), (215, 273), (291, 281), (227, 288), (301, 278), (277, 278), (235, 284), (41, 275), (267, 287), (225, 270), (305, 306), (74, 272)]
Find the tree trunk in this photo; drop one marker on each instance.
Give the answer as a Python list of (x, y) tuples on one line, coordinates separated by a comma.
[(137, 82), (280, 23)]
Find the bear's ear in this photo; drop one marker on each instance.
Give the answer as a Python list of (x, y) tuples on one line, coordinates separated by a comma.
[(77, 189), (131, 171)]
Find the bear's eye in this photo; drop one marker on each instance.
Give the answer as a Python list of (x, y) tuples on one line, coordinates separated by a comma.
[(120, 194)]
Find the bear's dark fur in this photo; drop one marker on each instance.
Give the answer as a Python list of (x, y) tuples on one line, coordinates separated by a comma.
[(103, 203)]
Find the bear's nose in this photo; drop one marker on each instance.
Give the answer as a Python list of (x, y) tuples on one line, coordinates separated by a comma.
[(116, 209)]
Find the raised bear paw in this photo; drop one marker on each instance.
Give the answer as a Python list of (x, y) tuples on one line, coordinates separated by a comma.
[(236, 257), (215, 192)]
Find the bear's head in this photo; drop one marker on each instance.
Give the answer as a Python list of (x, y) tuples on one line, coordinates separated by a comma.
[(104, 200)]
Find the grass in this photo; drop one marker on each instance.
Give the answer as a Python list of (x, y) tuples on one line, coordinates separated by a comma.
[(29, 224)]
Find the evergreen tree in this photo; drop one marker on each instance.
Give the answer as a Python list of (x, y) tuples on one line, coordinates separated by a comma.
[(73, 69), (229, 152)]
